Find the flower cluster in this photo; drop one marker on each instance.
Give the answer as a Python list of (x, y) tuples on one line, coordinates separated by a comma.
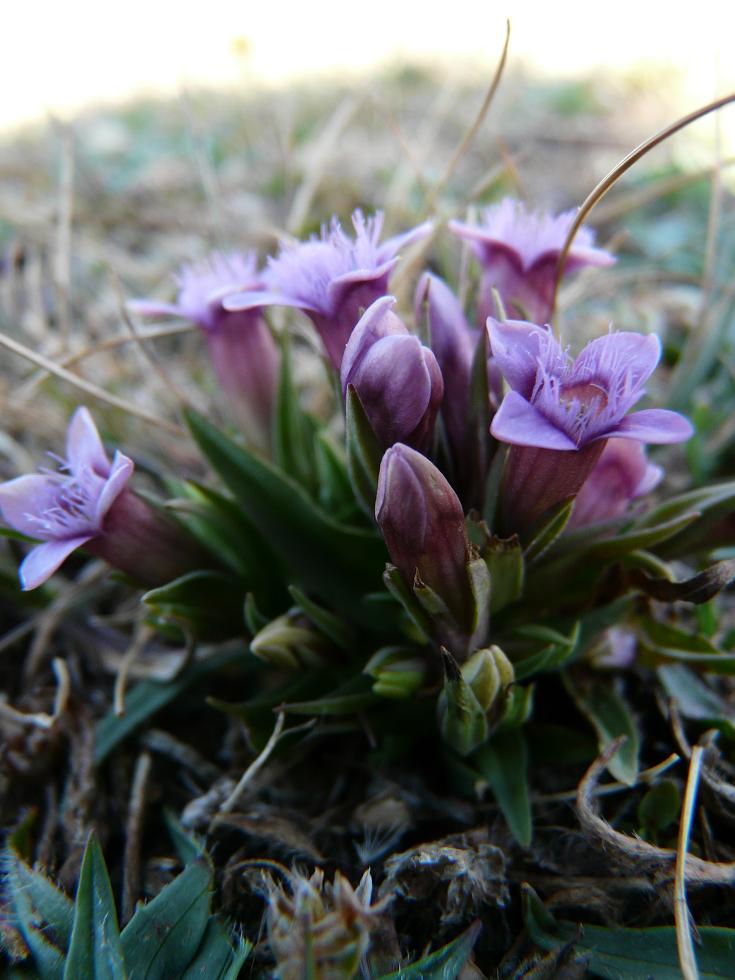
[(464, 434)]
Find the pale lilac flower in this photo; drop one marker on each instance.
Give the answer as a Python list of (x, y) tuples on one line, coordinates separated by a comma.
[(423, 525), (333, 278), (396, 378), (243, 352), (454, 345), (519, 250), (559, 412), (622, 474), (86, 502)]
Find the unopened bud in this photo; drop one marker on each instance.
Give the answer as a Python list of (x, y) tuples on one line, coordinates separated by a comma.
[(291, 641), (398, 672)]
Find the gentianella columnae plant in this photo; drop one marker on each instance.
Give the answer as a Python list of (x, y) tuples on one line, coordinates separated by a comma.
[(473, 515)]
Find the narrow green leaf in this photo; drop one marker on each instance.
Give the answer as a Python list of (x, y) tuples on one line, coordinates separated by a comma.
[(363, 452), (445, 964), (610, 717), (631, 954), (95, 950), (548, 529), (640, 538), (354, 696), (188, 846), (696, 700), (148, 697), (43, 915), (503, 764), (335, 494), (210, 603), (332, 626), (504, 558), (293, 431), (162, 938), (336, 561), (217, 958)]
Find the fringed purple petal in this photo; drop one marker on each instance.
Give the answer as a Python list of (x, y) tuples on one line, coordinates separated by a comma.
[(521, 424), (84, 447), (658, 426), (627, 359), (23, 499), (41, 563), (393, 245), (120, 473), (520, 349), (259, 298)]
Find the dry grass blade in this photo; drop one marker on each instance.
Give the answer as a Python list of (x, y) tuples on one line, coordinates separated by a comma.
[(684, 943), (472, 132), (256, 765), (88, 387), (617, 172), (133, 836)]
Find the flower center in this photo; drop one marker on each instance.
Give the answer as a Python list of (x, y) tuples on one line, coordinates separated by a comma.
[(587, 398)]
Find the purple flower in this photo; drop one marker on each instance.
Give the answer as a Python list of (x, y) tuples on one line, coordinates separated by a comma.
[(243, 352), (396, 378), (559, 412), (519, 251), (86, 502), (622, 474), (332, 278), (454, 345), (423, 524)]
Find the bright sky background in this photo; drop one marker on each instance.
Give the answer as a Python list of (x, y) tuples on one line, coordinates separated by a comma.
[(59, 55)]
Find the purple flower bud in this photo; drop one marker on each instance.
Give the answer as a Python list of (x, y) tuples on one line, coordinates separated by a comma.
[(396, 378), (622, 474), (453, 344), (519, 251), (87, 503), (559, 412), (243, 352), (333, 278), (423, 524)]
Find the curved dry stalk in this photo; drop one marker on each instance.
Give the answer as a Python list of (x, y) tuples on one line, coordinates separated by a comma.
[(87, 386), (617, 172), (256, 765), (134, 835), (684, 942), (697, 871), (470, 135)]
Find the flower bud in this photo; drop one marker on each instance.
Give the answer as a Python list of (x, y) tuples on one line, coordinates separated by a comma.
[(453, 345), (398, 672), (396, 378), (472, 699), (423, 524), (290, 641)]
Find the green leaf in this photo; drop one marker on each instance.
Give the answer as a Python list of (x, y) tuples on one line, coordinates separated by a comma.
[(162, 938), (547, 530), (631, 954), (504, 558), (188, 846), (660, 807), (364, 452), (445, 964), (610, 717), (217, 958), (293, 430), (225, 531), (698, 589), (43, 914), (354, 696), (665, 642), (148, 697), (336, 561), (503, 764), (696, 700), (639, 539), (557, 651), (332, 626), (335, 495), (210, 603), (95, 950)]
